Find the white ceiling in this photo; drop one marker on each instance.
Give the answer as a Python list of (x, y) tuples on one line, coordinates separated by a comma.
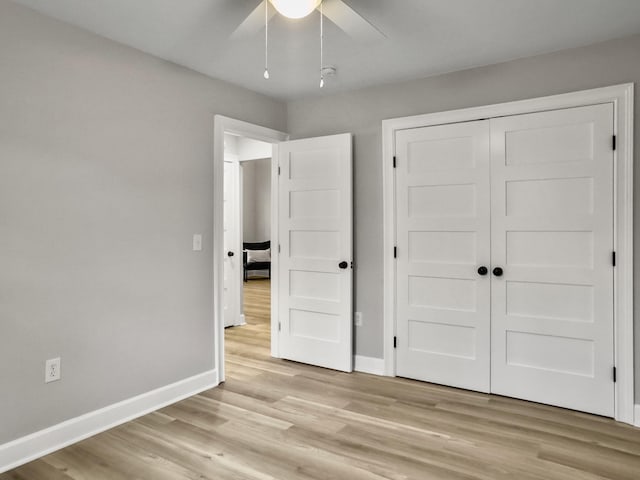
[(424, 37)]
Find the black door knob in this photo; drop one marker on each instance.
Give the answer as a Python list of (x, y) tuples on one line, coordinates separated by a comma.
[(230, 254), (343, 265), (483, 270), (497, 272)]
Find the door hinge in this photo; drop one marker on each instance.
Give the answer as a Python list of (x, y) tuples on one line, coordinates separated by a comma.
[(278, 170), (279, 326), (615, 375), (613, 258), (394, 161), (395, 342), (614, 142), (395, 252), (279, 249)]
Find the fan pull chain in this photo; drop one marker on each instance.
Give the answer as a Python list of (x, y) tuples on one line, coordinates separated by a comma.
[(321, 47), (266, 39)]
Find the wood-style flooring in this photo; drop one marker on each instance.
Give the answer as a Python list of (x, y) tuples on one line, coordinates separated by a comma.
[(278, 420)]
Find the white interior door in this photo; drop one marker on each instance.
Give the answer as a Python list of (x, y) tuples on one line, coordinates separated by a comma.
[(232, 257), (315, 270), (552, 235), (443, 249)]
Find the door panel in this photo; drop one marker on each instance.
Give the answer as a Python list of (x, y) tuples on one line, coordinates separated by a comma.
[(232, 264), (315, 225), (552, 233), (442, 185)]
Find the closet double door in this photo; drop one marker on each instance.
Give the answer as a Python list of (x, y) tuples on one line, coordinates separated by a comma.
[(504, 256)]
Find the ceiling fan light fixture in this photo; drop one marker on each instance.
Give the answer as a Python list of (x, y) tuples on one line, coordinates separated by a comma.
[(295, 8)]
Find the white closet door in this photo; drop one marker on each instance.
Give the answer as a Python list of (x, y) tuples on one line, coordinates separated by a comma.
[(552, 234), (443, 229), (315, 274)]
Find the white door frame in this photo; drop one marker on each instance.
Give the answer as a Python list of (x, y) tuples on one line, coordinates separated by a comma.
[(622, 98), (222, 124)]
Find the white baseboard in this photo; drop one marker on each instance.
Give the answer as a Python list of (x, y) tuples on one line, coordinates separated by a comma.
[(636, 416), (33, 446), (374, 366)]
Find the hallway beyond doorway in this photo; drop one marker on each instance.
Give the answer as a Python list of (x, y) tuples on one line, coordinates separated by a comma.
[(252, 339)]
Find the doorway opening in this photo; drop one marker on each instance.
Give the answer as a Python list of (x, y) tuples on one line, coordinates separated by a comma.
[(311, 232), (227, 248), (247, 244)]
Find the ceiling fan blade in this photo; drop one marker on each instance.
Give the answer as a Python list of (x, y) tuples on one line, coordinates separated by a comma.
[(253, 23), (350, 21)]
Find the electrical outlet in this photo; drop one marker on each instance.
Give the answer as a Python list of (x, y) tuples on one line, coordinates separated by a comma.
[(358, 319), (52, 370)]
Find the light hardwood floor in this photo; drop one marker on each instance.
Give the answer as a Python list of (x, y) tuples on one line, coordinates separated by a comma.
[(277, 420)]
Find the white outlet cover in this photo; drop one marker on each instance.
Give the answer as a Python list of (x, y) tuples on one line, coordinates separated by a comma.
[(358, 319), (52, 370)]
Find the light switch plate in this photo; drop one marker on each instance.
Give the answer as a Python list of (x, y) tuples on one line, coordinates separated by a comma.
[(197, 242)]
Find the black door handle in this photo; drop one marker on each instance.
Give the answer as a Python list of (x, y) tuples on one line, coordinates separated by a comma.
[(483, 270), (230, 254), (343, 265), (498, 271)]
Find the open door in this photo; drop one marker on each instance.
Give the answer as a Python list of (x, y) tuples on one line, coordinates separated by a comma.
[(231, 263), (315, 262)]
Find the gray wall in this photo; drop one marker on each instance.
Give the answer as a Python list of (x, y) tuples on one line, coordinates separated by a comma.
[(263, 199), (256, 200), (248, 213), (105, 174), (361, 112)]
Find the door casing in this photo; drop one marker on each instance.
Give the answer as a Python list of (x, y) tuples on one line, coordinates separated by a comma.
[(621, 96)]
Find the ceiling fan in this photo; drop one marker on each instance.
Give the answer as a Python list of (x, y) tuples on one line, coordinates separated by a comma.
[(347, 19)]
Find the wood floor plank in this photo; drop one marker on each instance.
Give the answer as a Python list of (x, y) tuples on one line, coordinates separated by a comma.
[(280, 420), (36, 470)]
